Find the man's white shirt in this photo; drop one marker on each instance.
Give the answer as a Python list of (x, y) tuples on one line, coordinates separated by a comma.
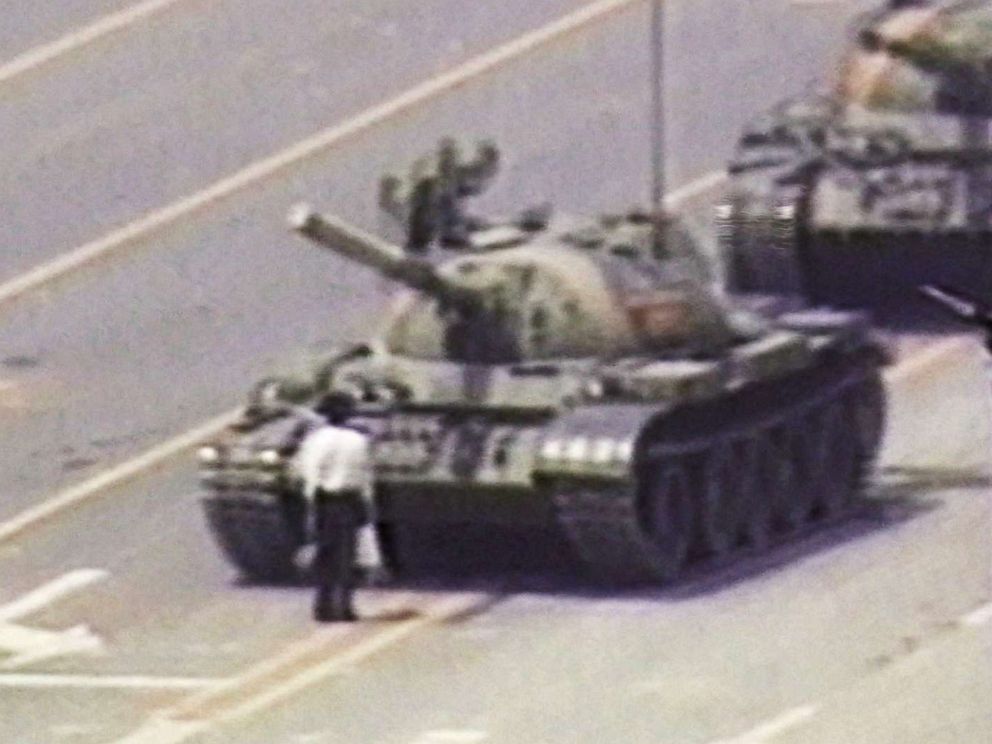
[(334, 458)]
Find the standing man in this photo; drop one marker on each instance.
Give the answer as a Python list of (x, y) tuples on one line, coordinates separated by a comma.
[(334, 461)]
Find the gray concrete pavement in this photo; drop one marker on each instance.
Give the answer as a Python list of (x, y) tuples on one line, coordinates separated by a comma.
[(152, 342), (935, 693), (129, 352), (190, 95), (27, 26)]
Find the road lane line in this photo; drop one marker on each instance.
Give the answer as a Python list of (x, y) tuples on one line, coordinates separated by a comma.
[(262, 169), (979, 617), (929, 356), (41, 55), (768, 730), (105, 682), (695, 188), (51, 592), (280, 677), (28, 646), (451, 736), (82, 492), (99, 484)]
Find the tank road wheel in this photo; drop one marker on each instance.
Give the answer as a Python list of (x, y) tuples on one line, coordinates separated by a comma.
[(839, 452), (866, 408), (806, 436), (815, 475), (721, 502), (666, 510), (774, 479)]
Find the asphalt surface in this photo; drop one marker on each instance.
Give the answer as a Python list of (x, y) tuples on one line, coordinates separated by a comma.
[(34, 24), (858, 622), (179, 100)]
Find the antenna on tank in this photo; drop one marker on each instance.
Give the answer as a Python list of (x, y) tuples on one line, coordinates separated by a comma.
[(657, 119)]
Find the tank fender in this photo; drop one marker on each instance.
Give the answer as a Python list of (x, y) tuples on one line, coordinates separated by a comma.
[(598, 441)]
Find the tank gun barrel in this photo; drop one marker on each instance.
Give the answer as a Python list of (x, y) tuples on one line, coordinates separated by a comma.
[(369, 250)]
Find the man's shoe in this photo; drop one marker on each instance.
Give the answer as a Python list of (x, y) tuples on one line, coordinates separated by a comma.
[(326, 614)]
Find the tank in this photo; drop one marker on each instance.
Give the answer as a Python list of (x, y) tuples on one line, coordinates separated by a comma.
[(855, 197), (578, 379), (922, 56)]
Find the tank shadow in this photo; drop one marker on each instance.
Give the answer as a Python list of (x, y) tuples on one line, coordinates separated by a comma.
[(503, 561), (548, 567)]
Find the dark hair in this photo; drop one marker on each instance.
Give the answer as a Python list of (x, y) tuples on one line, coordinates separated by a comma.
[(336, 407)]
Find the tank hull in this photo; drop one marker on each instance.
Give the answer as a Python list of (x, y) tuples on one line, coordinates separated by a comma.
[(884, 271), (880, 272), (738, 472)]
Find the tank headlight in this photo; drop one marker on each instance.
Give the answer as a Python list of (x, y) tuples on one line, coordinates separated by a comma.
[(552, 449), (269, 457), (785, 212), (577, 449), (593, 389), (603, 450), (208, 455), (723, 211), (625, 450)]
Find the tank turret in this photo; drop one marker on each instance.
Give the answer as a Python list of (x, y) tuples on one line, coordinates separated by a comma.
[(592, 289), (923, 57)]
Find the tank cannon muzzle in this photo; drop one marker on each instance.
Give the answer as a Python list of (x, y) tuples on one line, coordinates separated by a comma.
[(377, 254)]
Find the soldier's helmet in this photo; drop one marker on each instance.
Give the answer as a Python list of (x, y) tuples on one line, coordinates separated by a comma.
[(920, 56)]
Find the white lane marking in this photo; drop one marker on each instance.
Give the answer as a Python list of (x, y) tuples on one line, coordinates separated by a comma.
[(979, 617), (775, 726), (108, 682), (96, 486), (165, 731), (261, 169), (72, 730), (76, 495), (697, 187), (927, 357), (80, 37), (451, 736), (273, 680), (51, 592), (31, 645)]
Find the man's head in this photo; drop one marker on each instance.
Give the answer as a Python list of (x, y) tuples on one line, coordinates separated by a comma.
[(336, 407)]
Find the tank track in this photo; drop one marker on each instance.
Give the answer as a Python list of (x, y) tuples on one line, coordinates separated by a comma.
[(257, 533), (793, 453)]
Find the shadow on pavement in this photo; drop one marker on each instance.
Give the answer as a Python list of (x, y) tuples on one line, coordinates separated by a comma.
[(541, 562)]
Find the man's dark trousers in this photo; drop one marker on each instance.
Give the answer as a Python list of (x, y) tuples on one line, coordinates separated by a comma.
[(339, 515)]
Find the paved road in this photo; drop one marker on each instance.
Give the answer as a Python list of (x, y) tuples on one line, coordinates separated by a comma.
[(145, 345), (31, 25), (195, 92)]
